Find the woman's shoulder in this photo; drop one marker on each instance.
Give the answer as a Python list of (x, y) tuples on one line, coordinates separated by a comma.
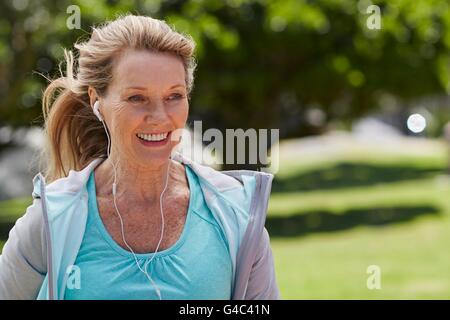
[(222, 181), (75, 181)]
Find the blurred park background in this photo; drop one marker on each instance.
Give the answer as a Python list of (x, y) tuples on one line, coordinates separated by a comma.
[(363, 155)]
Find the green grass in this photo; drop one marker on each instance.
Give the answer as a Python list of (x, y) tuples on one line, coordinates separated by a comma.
[(10, 210), (413, 259), (414, 192), (412, 253)]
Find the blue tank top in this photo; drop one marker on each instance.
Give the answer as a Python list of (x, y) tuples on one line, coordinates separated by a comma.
[(197, 266)]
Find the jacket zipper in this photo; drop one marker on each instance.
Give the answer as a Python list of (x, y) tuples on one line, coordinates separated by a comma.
[(48, 236), (261, 190), (257, 196)]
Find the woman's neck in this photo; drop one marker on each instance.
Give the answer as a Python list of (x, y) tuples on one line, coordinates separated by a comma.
[(136, 182)]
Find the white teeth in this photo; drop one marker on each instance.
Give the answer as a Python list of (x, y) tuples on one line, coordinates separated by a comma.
[(153, 137)]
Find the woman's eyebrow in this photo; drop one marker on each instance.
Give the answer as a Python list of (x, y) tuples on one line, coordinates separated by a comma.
[(177, 85), (139, 88), (144, 88)]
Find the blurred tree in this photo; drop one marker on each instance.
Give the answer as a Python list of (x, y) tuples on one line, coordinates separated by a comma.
[(294, 64)]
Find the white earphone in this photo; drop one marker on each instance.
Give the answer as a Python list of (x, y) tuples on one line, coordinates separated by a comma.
[(96, 110), (114, 191)]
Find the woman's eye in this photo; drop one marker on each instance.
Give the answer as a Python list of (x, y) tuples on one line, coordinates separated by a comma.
[(136, 98), (176, 96)]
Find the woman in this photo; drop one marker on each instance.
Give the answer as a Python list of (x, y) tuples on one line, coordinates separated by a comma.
[(120, 214)]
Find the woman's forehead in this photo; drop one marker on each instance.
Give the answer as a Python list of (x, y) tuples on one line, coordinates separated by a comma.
[(143, 68)]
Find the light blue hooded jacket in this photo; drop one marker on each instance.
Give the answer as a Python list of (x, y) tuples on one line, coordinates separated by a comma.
[(44, 243)]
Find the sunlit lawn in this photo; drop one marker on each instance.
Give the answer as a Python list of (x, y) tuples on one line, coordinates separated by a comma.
[(401, 226)]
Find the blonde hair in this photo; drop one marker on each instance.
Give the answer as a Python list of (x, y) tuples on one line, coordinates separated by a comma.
[(73, 133)]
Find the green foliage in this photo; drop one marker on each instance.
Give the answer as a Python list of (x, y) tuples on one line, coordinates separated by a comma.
[(261, 63)]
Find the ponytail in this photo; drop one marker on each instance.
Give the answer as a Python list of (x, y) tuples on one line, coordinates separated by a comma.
[(74, 137)]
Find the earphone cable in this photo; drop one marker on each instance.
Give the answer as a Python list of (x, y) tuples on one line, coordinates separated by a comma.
[(114, 189)]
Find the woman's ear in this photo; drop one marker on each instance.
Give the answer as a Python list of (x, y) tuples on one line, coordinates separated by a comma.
[(92, 96), (95, 103)]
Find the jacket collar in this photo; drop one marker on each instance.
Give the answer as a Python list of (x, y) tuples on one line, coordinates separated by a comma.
[(77, 180), (72, 184)]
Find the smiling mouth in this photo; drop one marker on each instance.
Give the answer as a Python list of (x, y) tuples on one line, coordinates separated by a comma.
[(153, 137)]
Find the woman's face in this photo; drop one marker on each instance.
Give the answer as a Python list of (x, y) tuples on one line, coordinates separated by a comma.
[(145, 103)]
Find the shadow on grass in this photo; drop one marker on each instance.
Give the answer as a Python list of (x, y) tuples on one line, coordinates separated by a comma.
[(324, 221), (346, 175), (5, 226), (317, 221)]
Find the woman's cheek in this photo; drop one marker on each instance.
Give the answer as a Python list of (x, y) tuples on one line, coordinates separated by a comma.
[(122, 126), (182, 115)]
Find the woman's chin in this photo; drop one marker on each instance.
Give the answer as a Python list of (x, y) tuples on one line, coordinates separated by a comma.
[(154, 156)]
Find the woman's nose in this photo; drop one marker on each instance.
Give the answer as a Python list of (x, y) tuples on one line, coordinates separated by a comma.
[(156, 111)]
